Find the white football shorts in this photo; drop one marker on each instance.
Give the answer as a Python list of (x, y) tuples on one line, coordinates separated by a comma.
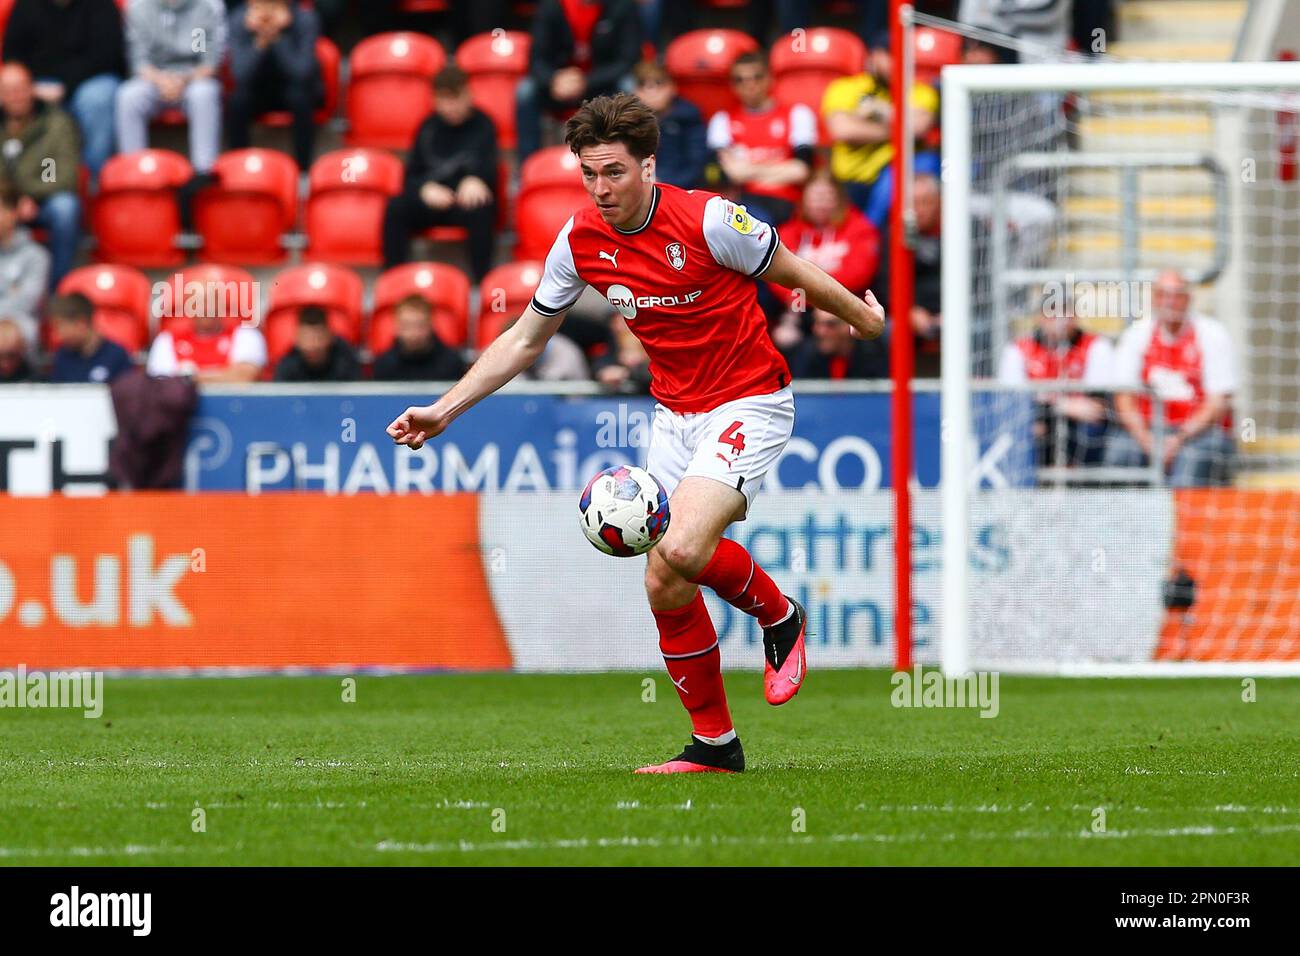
[(735, 443)]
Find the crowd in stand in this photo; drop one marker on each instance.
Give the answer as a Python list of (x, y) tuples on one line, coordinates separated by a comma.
[(83, 81)]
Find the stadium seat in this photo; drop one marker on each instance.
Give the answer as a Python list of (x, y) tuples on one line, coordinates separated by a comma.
[(495, 63), (550, 191), (121, 297), (242, 219), (700, 63), (335, 289), (503, 295), (229, 287), (135, 217), (804, 65), (6, 8), (933, 50), (345, 207), (328, 56), (390, 88), (444, 287)]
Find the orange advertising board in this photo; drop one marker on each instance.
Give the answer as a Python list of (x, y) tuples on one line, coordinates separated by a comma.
[(163, 580), (1241, 547)]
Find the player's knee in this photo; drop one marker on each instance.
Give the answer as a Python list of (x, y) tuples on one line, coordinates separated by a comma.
[(686, 557), (664, 586)]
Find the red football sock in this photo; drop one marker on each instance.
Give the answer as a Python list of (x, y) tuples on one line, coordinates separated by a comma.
[(690, 648), (738, 580)]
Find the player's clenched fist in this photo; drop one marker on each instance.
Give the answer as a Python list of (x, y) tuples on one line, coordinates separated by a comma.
[(415, 426), (875, 325)]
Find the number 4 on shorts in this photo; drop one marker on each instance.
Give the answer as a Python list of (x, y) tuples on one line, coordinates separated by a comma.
[(733, 437)]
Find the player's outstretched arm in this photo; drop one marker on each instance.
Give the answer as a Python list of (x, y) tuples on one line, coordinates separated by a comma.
[(514, 350), (866, 315)]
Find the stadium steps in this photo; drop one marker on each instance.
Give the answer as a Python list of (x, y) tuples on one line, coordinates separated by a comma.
[(1181, 21)]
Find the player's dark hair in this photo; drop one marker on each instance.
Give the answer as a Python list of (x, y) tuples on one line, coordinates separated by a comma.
[(9, 195), (614, 119), (72, 306), (754, 57), (415, 301), (313, 315), (451, 80)]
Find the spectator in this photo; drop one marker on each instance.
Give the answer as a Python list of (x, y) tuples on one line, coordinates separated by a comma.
[(449, 172), (174, 50), (859, 112), (624, 367), (418, 355), (318, 355), (40, 157), (75, 50), (208, 350), (832, 352), (1073, 424), (1043, 25), (766, 150), (683, 151), (1187, 360), (833, 234), (24, 266), (83, 354), (14, 366), (926, 301), (580, 49), (273, 63)]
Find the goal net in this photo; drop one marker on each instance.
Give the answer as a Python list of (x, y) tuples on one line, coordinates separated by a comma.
[(1121, 368)]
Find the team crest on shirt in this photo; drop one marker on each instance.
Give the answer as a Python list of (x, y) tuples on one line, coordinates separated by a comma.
[(676, 253)]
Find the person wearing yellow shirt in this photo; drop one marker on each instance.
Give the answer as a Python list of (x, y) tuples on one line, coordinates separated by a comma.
[(859, 111)]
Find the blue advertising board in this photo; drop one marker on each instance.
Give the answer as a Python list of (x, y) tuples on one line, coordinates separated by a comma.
[(334, 441)]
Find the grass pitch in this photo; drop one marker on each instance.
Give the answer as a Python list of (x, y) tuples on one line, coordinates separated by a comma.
[(513, 769)]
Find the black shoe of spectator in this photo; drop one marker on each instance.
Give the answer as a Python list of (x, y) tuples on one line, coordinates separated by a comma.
[(185, 197)]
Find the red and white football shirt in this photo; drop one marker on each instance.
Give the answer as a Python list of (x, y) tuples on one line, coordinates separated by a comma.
[(683, 281), (1088, 359), (767, 136), (1182, 370), (184, 352)]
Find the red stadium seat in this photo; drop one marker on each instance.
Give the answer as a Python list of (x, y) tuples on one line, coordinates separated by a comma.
[(496, 62), (328, 56), (345, 208), (242, 219), (135, 216), (550, 191), (934, 49), (803, 65), (700, 64), (121, 297), (228, 287), (335, 289), (390, 88), (444, 287), (6, 8), (503, 294)]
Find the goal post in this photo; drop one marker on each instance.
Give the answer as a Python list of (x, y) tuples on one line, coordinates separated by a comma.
[(1065, 550)]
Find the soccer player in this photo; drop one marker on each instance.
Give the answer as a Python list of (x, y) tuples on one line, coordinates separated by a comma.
[(679, 266)]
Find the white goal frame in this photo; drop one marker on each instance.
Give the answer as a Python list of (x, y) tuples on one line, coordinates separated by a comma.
[(959, 82)]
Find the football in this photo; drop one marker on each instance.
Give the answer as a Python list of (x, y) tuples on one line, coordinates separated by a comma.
[(624, 511)]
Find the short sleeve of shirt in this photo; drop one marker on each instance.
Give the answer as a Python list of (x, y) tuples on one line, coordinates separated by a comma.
[(248, 346), (1128, 356), (719, 131), (1011, 367), (162, 356), (738, 240), (1217, 354), (803, 126), (1099, 366), (560, 285)]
